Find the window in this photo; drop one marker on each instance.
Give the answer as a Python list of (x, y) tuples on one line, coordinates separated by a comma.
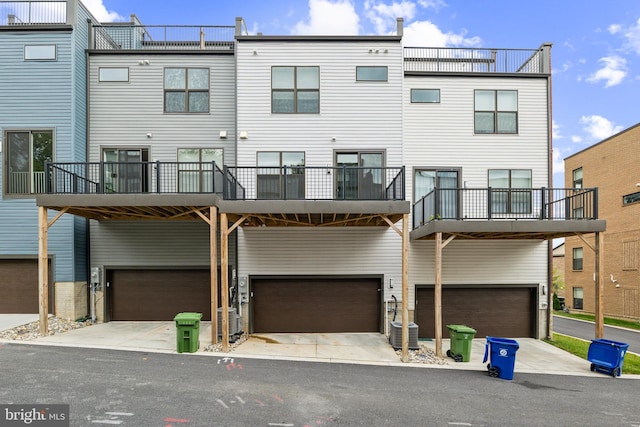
[(496, 111), (510, 191), (372, 74), (577, 178), (281, 175), (577, 298), (425, 96), (577, 259), (631, 198), (186, 90), (126, 170), (359, 176), (196, 172), (27, 152), (630, 255), (295, 90), (113, 74), (40, 52), (445, 206)]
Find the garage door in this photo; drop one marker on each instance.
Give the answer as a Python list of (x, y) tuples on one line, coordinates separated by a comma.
[(316, 305), (497, 311), (158, 294), (19, 286)]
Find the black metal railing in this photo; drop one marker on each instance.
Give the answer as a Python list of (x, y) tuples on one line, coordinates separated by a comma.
[(506, 203), (474, 60), (315, 183), (163, 37), (27, 12), (232, 182), (133, 177)]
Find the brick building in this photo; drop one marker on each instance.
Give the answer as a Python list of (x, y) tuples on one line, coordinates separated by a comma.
[(612, 165)]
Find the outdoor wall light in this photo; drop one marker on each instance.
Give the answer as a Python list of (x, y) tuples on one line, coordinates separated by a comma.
[(223, 134), (244, 134), (149, 135)]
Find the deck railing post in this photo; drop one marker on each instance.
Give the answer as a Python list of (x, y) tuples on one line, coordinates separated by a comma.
[(595, 203), (158, 176), (284, 183), (543, 202), (489, 203), (225, 183), (47, 177)]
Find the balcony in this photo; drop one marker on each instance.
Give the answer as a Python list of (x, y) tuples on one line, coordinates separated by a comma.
[(29, 13), (424, 60), (282, 196), (526, 213)]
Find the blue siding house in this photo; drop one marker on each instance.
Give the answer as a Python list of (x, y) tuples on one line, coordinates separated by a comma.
[(42, 119)]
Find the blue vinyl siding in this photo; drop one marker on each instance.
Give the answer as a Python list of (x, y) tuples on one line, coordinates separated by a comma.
[(44, 95)]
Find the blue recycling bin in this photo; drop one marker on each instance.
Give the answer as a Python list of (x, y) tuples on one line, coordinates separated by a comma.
[(503, 357), (607, 356)]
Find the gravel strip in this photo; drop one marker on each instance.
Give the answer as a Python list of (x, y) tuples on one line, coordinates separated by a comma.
[(31, 331)]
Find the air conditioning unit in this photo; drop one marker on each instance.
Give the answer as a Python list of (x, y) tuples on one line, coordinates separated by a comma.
[(395, 335), (235, 326)]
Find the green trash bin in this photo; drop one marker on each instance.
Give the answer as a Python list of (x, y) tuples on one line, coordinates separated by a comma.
[(188, 331), (461, 339)]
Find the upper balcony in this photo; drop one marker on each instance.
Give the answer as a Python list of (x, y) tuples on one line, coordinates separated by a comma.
[(438, 60), (19, 14), (499, 213), (293, 195)]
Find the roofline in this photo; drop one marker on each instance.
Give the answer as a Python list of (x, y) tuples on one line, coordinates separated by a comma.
[(263, 38), (603, 141)]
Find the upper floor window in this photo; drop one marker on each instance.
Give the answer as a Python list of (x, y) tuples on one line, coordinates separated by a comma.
[(372, 74), (425, 96), (510, 190), (186, 90), (631, 198), (577, 178), (113, 74), (577, 259), (43, 52), (295, 89), (496, 111), (27, 151)]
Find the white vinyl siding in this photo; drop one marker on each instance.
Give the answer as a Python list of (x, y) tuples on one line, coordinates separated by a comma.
[(123, 114), (442, 135), (359, 115)]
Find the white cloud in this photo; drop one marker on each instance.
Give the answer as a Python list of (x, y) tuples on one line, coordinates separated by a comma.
[(383, 16), (435, 4), (576, 139), (98, 9), (613, 72), (425, 33), (558, 162), (632, 34), (598, 127), (329, 18), (614, 28), (555, 129)]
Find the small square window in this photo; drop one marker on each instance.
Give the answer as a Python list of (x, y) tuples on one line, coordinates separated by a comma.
[(425, 96), (113, 74), (40, 52), (372, 74)]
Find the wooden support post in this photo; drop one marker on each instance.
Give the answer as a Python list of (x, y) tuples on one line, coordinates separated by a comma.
[(405, 288), (43, 269), (437, 295), (213, 253), (224, 282), (599, 249)]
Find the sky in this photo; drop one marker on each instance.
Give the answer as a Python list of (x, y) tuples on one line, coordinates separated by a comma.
[(595, 54)]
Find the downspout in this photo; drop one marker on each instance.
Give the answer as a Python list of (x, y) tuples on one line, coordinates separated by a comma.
[(547, 49), (91, 291)]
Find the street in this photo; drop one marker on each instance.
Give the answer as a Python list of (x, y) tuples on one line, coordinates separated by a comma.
[(586, 331), (105, 387)]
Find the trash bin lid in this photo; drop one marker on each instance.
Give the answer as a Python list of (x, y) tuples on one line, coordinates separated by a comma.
[(462, 329), (187, 318)]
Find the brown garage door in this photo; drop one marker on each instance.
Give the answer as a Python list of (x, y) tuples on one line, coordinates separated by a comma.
[(19, 286), (316, 305), (496, 311), (158, 294)]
